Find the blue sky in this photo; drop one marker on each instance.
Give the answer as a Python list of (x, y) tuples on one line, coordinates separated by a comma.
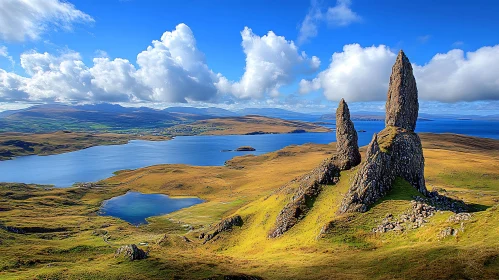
[(81, 30)]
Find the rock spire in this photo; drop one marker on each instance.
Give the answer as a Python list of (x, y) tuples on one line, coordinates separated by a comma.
[(402, 104), (396, 151), (346, 138)]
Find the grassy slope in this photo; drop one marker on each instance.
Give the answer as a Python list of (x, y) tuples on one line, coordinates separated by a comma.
[(250, 186), (20, 144), (243, 125)]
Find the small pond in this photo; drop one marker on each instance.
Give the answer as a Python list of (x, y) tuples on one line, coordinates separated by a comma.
[(135, 207)]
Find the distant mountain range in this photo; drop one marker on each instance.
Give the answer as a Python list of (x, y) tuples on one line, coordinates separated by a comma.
[(116, 118), (278, 113), (113, 117)]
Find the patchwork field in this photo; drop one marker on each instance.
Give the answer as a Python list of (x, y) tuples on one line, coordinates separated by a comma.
[(51, 233)]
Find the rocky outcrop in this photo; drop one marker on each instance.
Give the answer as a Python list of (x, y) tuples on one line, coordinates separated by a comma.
[(346, 138), (225, 225), (310, 186), (396, 151), (402, 105), (400, 154), (130, 252)]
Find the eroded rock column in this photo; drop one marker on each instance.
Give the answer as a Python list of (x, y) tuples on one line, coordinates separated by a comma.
[(402, 104), (346, 138), (396, 151)]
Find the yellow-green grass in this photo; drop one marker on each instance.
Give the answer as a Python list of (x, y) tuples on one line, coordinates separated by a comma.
[(256, 187)]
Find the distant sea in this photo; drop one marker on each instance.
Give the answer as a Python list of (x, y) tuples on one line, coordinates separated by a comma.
[(100, 162)]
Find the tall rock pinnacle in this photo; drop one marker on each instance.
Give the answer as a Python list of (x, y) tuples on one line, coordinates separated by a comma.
[(402, 104), (396, 151), (346, 138)]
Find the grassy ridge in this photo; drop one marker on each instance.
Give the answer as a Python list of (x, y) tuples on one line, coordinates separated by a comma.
[(69, 240)]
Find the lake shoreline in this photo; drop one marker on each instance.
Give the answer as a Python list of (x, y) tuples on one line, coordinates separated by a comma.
[(14, 145), (17, 144), (100, 162)]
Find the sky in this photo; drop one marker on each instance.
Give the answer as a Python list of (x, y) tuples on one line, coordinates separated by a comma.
[(299, 55)]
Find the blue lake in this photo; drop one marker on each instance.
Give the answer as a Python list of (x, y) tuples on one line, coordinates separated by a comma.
[(100, 162), (135, 207)]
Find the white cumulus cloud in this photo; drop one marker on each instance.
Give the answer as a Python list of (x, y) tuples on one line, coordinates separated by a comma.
[(28, 19), (271, 62), (356, 74), (175, 69), (116, 80), (172, 70), (362, 74), (11, 86), (459, 76)]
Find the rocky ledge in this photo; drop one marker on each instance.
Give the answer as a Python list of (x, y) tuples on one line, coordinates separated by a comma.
[(225, 225), (328, 172), (310, 186)]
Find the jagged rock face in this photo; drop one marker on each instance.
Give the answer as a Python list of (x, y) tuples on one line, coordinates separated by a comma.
[(346, 138), (225, 225), (310, 186), (131, 252), (399, 155), (402, 104)]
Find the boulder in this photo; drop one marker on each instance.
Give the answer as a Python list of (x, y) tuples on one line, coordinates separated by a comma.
[(130, 252), (346, 138), (448, 231)]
